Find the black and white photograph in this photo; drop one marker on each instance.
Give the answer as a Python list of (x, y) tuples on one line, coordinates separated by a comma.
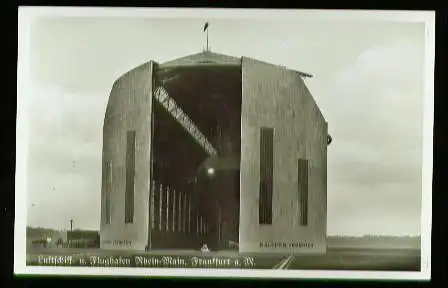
[(218, 143)]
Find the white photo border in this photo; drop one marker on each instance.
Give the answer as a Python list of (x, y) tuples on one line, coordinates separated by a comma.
[(27, 14)]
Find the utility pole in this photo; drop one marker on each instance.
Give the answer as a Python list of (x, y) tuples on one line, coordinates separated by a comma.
[(71, 230), (207, 48)]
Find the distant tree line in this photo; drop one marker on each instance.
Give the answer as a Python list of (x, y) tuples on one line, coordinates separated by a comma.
[(374, 241), (374, 237), (75, 239), (36, 232)]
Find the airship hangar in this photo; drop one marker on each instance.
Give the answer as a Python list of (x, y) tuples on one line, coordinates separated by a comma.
[(214, 149)]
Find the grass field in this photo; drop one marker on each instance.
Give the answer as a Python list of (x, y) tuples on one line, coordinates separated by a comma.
[(335, 258), (360, 259)]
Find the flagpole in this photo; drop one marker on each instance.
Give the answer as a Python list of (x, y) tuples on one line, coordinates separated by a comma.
[(207, 39), (206, 35)]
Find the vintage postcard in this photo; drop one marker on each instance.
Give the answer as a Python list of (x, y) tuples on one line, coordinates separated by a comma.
[(211, 143)]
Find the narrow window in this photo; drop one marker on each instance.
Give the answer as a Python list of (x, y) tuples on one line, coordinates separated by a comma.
[(108, 188), (160, 195), (130, 174), (303, 191), (184, 214), (167, 207), (197, 224), (201, 225), (179, 213), (266, 175), (189, 214), (174, 211)]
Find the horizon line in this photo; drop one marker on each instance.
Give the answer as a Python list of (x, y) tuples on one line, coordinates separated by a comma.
[(328, 235)]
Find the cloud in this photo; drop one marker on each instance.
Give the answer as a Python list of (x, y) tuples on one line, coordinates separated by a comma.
[(374, 110), (372, 102), (64, 164)]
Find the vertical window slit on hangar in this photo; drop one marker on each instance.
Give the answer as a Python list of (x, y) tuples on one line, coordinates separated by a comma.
[(266, 175), (303, 167), (107, 192), (130, 174)]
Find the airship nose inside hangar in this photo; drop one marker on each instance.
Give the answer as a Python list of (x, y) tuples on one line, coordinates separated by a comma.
[(213, 149)]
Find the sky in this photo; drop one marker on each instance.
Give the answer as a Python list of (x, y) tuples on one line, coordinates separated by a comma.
[(368, 83)]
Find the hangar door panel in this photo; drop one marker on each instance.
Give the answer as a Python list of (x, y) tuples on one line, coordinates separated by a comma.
[(127, 153), (266, 103)]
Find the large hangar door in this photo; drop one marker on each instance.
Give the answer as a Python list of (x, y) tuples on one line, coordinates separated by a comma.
[(267, 146), (127, 156), (257, 135)]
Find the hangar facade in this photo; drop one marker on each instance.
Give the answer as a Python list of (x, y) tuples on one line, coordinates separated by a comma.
[(214, 149)]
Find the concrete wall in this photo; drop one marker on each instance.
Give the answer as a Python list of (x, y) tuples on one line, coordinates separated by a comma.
[(276, 97), (129, 108)]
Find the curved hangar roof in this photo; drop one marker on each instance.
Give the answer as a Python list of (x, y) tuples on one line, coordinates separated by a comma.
[(207, 59)]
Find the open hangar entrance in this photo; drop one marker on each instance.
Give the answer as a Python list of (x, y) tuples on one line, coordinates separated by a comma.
[(195, 157), (188, 142)]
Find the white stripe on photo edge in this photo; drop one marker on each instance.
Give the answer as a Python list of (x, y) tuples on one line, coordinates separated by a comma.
[(20, 267)]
